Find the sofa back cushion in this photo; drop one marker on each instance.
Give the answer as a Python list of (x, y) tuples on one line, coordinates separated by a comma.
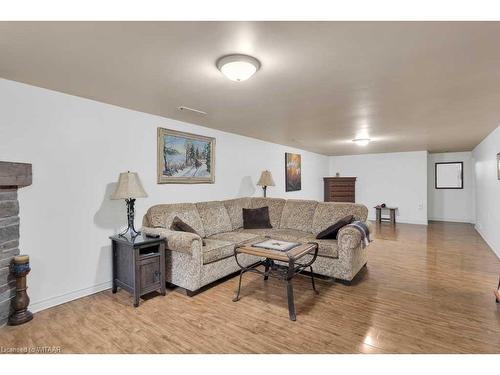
[(162, 216), (298, 214), (275, 208), (214, 217), (332, 231), (256, 218), (179, 225), (328, 213), (234, 209)]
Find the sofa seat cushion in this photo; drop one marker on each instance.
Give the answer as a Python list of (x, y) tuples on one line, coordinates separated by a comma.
[(214, 217), (326, 248), (234, 209), (291, 235), (234, 237), (215, 250), (275, 208), (162, 216), (298, 214), (328, 213)]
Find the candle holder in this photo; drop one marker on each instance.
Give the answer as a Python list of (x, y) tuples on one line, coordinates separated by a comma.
[(20, 269)]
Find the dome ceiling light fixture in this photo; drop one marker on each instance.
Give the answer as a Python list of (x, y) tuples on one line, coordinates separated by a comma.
[(238, 67), (361, 141)]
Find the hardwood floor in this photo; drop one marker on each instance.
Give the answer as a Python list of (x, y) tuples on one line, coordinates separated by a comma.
[(425, 290)]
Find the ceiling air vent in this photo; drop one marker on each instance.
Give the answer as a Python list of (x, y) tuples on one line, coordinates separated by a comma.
[(182, 108)]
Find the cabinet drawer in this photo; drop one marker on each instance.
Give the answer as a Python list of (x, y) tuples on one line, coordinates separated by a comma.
[(342, 183), (343, 199), (342, 194), (349, 189)]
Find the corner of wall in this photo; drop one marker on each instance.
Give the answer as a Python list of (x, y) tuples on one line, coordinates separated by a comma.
[(485, 238), (487, 189)]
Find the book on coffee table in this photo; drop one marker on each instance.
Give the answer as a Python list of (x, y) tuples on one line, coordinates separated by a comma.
[(276, 245)]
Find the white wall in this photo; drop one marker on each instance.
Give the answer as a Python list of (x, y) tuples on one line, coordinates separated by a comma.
[(451, 204), (396, 179), (488, 190), (77, 148)]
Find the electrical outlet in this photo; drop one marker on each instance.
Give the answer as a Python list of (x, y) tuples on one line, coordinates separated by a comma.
[(421, 206)]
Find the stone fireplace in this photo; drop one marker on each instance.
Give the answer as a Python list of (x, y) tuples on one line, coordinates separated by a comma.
[(12, 177)]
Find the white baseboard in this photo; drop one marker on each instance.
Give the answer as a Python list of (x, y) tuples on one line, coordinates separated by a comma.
[(67, 297), (404, 221), (495, 251), (452, 220)]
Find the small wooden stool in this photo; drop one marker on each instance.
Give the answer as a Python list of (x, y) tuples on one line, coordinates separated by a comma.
[(392, 214)]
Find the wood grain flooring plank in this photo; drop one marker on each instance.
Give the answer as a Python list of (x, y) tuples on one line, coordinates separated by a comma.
[(426, 289)]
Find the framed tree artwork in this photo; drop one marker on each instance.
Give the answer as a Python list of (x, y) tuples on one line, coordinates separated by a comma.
[(185, 158), (293, 168)]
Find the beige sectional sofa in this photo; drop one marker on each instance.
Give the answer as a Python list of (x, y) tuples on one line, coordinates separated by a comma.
[(192, 265)]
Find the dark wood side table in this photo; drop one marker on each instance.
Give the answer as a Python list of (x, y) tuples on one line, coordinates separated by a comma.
[(138, 265), (392, 214)]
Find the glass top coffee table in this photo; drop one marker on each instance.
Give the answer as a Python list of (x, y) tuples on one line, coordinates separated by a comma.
[(292, 259)]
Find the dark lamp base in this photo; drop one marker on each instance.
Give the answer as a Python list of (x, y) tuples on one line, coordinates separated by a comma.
[(130, 231)]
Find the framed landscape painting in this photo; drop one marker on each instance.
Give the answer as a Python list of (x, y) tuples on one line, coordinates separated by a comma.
[(292, 172), (185, 158)]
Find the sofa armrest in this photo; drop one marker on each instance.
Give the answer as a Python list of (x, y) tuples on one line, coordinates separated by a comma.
[(183, 242), (370, 226), (352, 254), (350, 238)]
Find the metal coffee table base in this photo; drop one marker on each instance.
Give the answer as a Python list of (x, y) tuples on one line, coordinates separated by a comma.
[(285, 273)]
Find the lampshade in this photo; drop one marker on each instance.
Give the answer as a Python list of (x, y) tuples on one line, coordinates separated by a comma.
[(129, 186), (266, 179)]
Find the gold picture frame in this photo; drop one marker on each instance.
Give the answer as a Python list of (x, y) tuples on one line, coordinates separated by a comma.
[(185, 158), (498, 165), (293, 172)]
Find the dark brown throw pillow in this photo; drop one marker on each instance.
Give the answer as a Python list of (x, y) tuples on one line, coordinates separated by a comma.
[(179, 225), (331, 232), (256, 218)]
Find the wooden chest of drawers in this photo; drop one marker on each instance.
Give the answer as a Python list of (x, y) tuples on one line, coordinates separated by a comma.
[(340, 189)]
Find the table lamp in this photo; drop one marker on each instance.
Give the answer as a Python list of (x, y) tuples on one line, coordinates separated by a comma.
[(266, 179), (129, 187)]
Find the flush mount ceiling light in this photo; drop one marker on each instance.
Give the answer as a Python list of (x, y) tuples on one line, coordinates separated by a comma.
[(361, 141), (238, 67)]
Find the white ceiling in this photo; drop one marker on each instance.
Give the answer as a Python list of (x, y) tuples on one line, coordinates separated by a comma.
[(407, 85)]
